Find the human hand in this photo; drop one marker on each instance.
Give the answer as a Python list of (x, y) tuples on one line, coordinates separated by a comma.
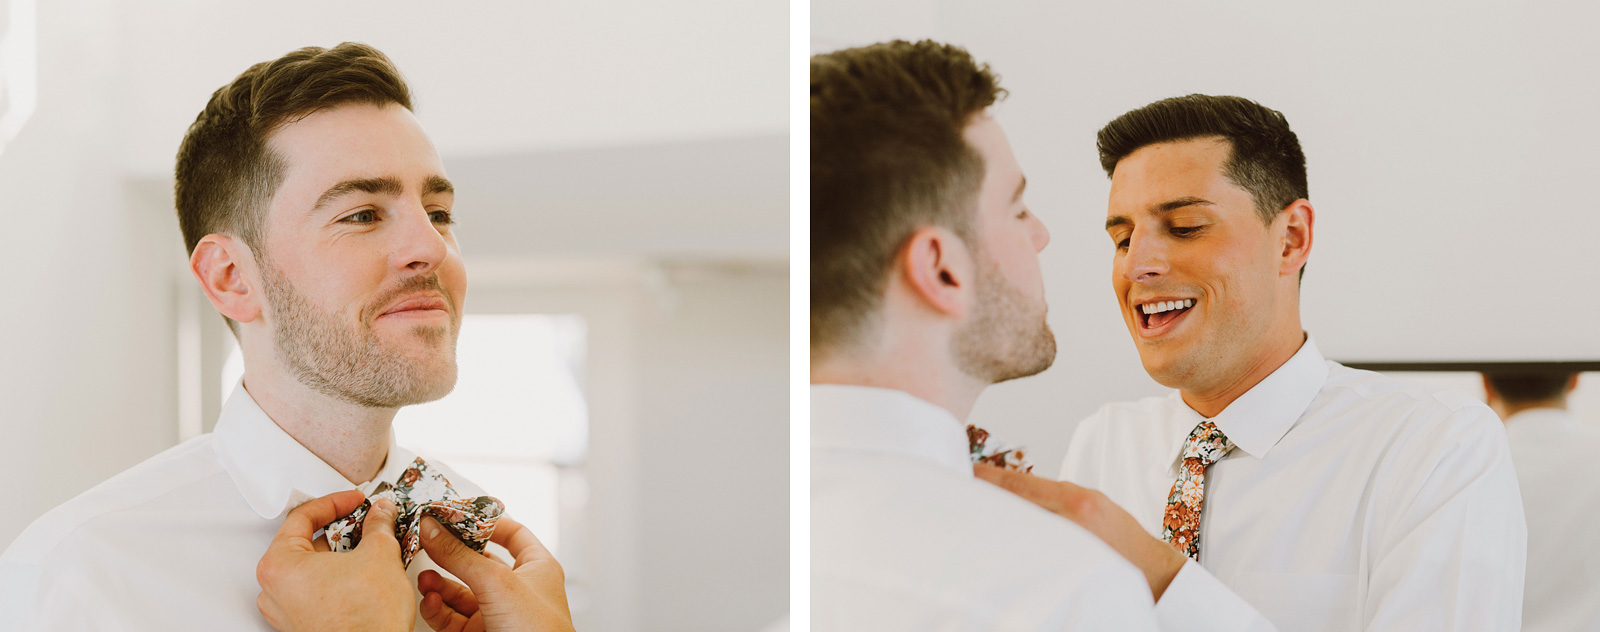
[(304, 586), (1096, 513), (530, 596)]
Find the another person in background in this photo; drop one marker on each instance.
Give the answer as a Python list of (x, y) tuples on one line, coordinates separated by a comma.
[(925, 290), (1272, 488), (1554, 454)]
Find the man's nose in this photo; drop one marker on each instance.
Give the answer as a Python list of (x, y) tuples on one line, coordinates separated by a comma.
[(1145, 260), (418, 245), (1041, 233)]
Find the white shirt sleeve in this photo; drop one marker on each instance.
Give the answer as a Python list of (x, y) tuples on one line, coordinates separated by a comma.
[(1449, 540), (1196, 600)]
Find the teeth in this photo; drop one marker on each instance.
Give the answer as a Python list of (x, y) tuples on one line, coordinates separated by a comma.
[(1166, 306)]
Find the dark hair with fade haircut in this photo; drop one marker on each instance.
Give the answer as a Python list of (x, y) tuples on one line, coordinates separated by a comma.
[(1528, 388), (887, 158), (1266, 159), (226, 173)]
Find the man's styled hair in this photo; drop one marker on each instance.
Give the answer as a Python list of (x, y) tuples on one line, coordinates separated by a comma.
[(1266, 158), (887, 159), (226, 174), (1529, 388)]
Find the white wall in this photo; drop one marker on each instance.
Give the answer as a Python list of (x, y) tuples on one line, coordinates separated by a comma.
[(715, 460), (1448, 148)]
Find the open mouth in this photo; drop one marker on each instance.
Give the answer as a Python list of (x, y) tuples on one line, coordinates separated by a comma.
[(1159, 314)]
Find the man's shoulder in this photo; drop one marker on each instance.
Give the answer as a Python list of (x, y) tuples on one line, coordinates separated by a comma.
[(161, 479), (1404, 407), (920, 521)]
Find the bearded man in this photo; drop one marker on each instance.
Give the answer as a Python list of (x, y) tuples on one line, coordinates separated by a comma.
[(925, 289), (318, 220)]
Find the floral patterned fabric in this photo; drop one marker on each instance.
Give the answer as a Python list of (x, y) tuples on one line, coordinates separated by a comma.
[(995, 452), (1181, 525), (421, 491)]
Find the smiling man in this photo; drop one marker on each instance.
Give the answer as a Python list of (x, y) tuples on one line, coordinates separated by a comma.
[(318, 219), (1273, 488)]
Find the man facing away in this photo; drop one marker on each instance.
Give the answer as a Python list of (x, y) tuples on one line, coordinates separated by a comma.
[(1554, 454), (926, 289), (1274, 488), (318, 218)]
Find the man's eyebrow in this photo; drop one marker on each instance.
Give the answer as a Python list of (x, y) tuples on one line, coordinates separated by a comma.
[(1158, 209), (437, 184), (384, 185), (1173, 205)]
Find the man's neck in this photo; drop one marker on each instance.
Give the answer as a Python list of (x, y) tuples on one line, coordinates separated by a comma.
[(934, 382), (352, 439), (1210, 402)]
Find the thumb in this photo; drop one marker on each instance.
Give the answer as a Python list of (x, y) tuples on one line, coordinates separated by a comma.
[(453, 555), (377, 531)]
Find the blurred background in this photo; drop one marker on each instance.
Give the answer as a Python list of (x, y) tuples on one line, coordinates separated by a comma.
[(1448, 146), (622, 186)]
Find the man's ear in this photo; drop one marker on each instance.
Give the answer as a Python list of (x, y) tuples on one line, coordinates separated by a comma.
[(1299, 219), (938, 268), (1488, 391), (217, 265)]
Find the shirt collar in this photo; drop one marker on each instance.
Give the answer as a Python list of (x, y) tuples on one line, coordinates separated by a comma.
[(1260, 417), (272, 470), (883, 420), (1542, 417)]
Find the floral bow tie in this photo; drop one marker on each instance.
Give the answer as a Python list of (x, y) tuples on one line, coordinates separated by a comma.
[(995, 452), (421, 491)]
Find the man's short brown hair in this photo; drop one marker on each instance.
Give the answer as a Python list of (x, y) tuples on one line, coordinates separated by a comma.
[(887, 158), (226, 174)]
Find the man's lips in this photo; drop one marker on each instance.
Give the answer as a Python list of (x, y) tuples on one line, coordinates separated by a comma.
[(421, 304), (1156, 317)]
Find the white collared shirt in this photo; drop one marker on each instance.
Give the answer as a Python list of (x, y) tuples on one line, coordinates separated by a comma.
[(1555, 457), (904, 537), (172, 543), (1353, 501)]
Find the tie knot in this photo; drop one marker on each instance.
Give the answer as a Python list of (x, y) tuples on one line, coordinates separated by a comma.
[(1206, 443)]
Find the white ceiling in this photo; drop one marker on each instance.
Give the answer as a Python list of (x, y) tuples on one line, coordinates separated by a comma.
[(488, 77)]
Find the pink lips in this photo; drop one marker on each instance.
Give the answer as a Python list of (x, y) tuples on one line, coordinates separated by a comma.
[(418, 303)]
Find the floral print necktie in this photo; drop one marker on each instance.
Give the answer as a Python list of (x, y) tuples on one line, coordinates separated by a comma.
[(1181, 525), (995, 452), (421, 490)]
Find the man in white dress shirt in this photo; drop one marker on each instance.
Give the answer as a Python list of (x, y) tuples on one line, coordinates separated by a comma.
[(1554, 453), (1311, 496), (318, 218), (926, 289)]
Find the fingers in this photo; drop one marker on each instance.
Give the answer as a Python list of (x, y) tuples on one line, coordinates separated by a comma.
[(440, 616), (1044, 492), (377, 531), (454, 556), (459, 598), (519, 540), (295, 532)]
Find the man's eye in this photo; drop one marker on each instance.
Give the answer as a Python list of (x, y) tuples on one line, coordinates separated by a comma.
[(362, 217), (442, 217), (1122, 244), (1185, 231)]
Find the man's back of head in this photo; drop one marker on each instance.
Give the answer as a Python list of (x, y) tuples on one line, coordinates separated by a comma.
[(922, 251)]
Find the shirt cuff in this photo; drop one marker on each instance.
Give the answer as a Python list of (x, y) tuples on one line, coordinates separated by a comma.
[(1196, 600)]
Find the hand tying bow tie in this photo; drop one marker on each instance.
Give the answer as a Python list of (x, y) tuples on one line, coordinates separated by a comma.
[(422, 491), (995, 452)]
